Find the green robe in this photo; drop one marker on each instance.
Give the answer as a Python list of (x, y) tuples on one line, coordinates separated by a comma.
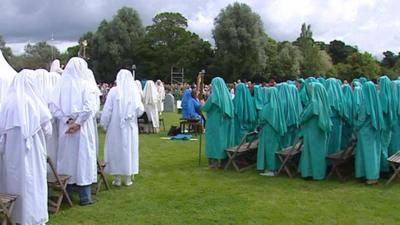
[(369, 124), (316, 124), (394, 146), (335, 97), (273, 127), (386, 97), (219, 126), (292, 108), (245, 112), (347, 129)]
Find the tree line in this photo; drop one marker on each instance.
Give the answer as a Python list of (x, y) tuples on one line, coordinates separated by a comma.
[(242, 50)]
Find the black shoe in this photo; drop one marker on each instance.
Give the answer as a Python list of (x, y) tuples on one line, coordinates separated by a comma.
[(87, 203)]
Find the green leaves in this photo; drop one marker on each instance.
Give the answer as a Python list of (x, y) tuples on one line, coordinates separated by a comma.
[(240, 42)]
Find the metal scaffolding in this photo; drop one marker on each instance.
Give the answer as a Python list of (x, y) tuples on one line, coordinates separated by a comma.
[(177, 75)]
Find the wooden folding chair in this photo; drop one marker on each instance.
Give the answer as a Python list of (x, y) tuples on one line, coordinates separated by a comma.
[(289, 158), (193, 126), (7, 202), (161, 120), (394, 161), (100, 172), (244, 155), (341, 159), (57, 188)]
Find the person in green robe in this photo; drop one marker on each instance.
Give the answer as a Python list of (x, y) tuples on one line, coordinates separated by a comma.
[(315, 125), (291, 106), (322, 81), (258, 97), (386, 97), (368, 123), (301, 86), (245, 112), (347, 129), (394, 146), (273, 127), (335, 97), (219, 127)]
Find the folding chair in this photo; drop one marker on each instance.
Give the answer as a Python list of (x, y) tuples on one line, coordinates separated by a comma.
[(100, 172), (394, 161), (57, 188), (244, 155), (289, 158), (7, 202), (162, 122), (341, 159)]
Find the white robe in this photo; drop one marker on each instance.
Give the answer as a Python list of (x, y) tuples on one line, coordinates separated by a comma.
[(26, 175), (121, 151), (75, 98), (150, 100), (77, 152), (25, 121), (7, 74), (161, 97)]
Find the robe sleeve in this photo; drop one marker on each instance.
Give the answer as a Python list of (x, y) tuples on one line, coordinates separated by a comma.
[(107, 111), (307, 114), (207, 106), (47, 128), (139, 109), (55, 111), (140, 106), (88, 98)]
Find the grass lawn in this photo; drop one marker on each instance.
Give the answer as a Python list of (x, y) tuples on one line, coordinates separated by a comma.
[(173, 189)]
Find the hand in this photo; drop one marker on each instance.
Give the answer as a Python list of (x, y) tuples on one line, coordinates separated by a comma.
[(73, 128)]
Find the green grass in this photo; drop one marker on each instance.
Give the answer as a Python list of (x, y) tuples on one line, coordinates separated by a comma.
[(173, 189)]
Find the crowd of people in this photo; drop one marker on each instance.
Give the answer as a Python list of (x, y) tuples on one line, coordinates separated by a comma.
[(52, 115), (326, 113)]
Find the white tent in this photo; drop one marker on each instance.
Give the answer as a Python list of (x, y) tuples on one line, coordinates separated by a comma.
[(7, 74)]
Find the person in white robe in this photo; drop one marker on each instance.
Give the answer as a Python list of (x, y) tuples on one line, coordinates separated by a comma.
[(139, 85), (96, 104), (119, 118), (25, 123), (45, 83), (161, 96), (150, 101), (56, 67), (72, 103), (7, 74)]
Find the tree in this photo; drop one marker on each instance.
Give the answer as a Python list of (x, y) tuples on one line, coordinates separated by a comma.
[(339, 51), (7, 53), (113, 46), (289, 63), (38, 55), (315, 60), (239, 39), (358, 64), (389, 59), (69, 53), (271, 50), (168, 44)]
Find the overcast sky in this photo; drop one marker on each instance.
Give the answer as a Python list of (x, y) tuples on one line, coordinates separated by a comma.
[(372, 25)]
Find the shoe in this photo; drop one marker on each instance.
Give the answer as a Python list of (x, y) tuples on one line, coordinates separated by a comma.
[(372, 182), (87, 203), (128, 181), (268, 174), (117, 181)]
